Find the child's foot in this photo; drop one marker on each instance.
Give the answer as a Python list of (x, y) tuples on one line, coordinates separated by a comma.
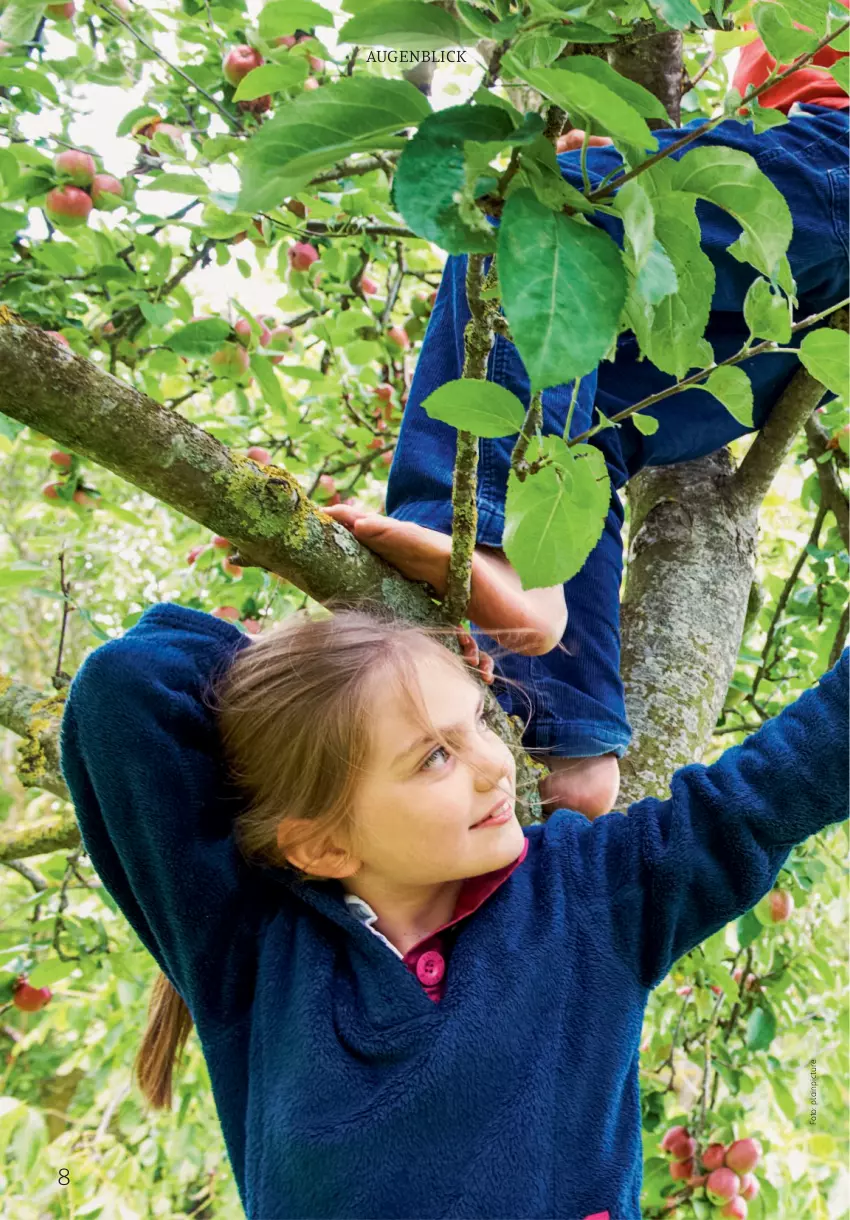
[(588, 785), (527, 621)]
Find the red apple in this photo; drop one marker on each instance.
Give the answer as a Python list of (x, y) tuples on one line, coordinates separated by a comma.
[(252, 625), (327, 484), (246, 335), (369, 286), (54, 334), (301, 255), (194, 553), (722, 1185), (743, 1155), (228, 612), (281, 336), (735, 1209), (61, 12), (672, 1136), (311, 83), (232, 569), (679, 1170), (717, 990), (29, 998), (384, 391), (684, 990), (316, 64), (713, 1156), (375, 443), (58, 458), (774, 907), (50, 491), (749, 1187), (222, 543), (80, 497), (68, 206), (432, 299), (107, 192), (76, 165), (751, 982), (239, 61), (257, 454), (387, 458), (398, 335), (232, 360), (285, 40)]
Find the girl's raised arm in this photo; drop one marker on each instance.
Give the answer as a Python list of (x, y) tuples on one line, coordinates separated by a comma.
[(140, 755), (660, 880)]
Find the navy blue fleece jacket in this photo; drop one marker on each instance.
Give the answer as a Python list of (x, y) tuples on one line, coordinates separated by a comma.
[(342, 1089)]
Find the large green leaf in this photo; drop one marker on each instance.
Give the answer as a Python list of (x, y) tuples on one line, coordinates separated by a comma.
[(271, 78), (669, 332), (199, 338), (767, 313), (732, 180), (555, 517), (563, 288), (731, 386), (405, 25), (761, 1029), (444, 213), (824, 352), (593, 104), (483, 408), (539, 169), (779, 35), (630, 91), (354, 114), (678, 13), (286, 16)]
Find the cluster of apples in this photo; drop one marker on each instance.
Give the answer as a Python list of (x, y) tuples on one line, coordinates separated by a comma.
[(242, 59), (233, 359), (80, 189), (727, 1179)]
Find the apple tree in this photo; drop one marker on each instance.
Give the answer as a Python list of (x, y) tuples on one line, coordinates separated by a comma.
[(222, 226)]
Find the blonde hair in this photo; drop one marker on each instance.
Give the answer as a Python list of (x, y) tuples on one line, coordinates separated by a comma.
[(293, 709)]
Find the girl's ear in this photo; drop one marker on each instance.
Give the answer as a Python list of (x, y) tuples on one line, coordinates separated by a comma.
[(324, 858)]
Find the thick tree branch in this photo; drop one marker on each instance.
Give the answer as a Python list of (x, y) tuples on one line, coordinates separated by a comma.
[(773, 443), (262, 510)]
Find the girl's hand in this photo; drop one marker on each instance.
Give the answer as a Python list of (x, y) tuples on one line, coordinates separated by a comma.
[(482, 661), (575, 138)]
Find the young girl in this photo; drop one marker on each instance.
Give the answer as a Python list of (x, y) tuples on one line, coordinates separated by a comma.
[(579, 707), (410, 1004)]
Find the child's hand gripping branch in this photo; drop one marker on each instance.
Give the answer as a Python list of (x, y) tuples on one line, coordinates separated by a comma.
[(476, 991)]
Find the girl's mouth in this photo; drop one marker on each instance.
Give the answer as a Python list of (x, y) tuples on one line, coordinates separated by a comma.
[(503, 814)]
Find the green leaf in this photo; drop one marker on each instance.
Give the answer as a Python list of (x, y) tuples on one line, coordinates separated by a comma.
[(555, 517), (824, 352), (445, 213), (199, 338), (287, 16), (670, 332), (405, 25), (778, 34), (9, 427), (563, 287), (763, 117), (647, 424), (731, 386), (657, 277), (178, 184), (483, 408), (155, 312), (641, 99), (761, 1029), (50, 971), (60, 257), (784, 1099), (271, 78), (19, 574), (840, 71), (313, 132), (767, 313), (599, 109), (29, 78), (268, 380), (539, 170), (678, 13), (732, 180)]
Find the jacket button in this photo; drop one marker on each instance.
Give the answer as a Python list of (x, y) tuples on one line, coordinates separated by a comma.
[(431, 967)]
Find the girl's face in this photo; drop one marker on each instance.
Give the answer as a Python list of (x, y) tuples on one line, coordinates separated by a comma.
[(417, 802)]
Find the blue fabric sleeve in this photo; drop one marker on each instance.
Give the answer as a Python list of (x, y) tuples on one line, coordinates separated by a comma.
[(140, 756), (665, 876)]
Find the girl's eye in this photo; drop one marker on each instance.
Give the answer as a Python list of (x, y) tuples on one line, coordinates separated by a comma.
[(442, 749)]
